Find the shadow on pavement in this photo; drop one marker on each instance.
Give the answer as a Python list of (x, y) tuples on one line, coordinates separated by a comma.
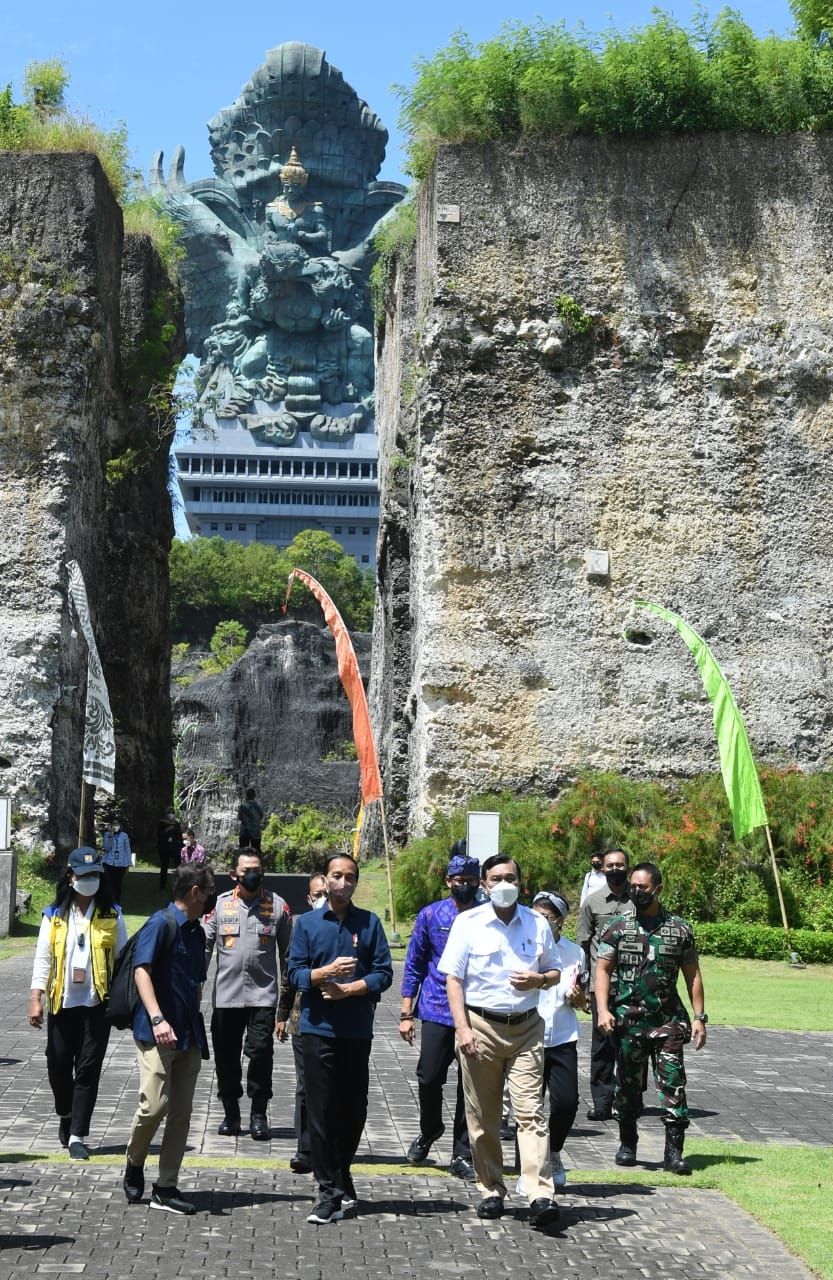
[(606, 1191), (34, 1242), (221, 1203), (413, 1208)]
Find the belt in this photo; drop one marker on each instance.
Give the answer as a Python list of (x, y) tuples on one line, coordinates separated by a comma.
[(504, 1019)]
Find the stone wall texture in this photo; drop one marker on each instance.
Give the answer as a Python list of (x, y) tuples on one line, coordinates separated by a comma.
[(624, 345), (75, 304), (267, 722)]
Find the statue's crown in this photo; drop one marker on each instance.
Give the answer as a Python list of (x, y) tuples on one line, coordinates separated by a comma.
[(294, 171)]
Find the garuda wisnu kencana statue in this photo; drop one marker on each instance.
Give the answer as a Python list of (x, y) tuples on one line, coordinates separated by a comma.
[(278, 250)]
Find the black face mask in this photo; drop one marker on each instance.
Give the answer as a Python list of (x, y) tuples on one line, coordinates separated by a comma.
[(210, 904), (617, 877), (464, 893), (251, 880), (641, 898)]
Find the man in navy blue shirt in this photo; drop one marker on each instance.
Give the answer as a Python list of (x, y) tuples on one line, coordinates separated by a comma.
[(339, 960), (169, 964), (424, 986)]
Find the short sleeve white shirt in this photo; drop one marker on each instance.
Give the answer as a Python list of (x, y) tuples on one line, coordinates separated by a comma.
[(482, 951), (560, 1021)]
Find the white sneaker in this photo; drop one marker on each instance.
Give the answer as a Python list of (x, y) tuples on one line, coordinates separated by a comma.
[(559, 1176)]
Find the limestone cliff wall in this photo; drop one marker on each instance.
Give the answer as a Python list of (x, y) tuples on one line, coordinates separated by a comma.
[(623, 345), (64, 413), (267, 722)]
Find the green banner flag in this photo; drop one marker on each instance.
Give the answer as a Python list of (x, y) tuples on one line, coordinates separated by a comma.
[(740, 777)]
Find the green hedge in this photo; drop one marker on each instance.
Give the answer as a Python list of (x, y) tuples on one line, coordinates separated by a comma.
[(763, 942)]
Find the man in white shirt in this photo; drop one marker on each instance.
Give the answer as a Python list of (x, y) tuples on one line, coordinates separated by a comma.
[(498, 959), (595, 878)]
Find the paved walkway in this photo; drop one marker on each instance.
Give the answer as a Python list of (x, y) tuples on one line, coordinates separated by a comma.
[(64, 1219)]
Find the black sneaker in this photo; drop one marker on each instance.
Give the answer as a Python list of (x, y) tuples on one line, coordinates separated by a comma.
[(600, 1113), (491, 1207), (133, 1182), (419, 1148), (64, 1130), (460, 1167), (349, 1200), (326, 1211), (78, 1151), (543, 1213), (169, 1199)]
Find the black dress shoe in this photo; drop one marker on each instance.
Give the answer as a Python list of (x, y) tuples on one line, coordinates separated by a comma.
[(64, 1130), (460, 1167), (543, 1213), (230, 1127), (599, 1113), (300, 1164), (133, 1182), (491, 1207), (419, 1148), (259, 1127)]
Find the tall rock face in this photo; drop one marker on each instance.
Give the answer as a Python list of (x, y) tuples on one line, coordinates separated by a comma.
[(609, 376), (268, 722), (65, 413)]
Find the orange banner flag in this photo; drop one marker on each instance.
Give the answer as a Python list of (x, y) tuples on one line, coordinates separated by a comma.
[(348, 669)]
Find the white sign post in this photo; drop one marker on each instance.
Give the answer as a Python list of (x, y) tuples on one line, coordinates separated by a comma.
[(482, 835)]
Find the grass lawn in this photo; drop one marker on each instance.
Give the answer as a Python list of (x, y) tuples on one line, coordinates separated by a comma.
[(767, 993), (785, 1188)]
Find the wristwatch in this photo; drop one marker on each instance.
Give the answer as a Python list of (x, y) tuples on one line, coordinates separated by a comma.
[(701, 1017), (157, 1018)]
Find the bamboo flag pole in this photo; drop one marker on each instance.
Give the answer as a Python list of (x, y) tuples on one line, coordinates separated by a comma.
[(777, 879), (82, 814), (394, 933)]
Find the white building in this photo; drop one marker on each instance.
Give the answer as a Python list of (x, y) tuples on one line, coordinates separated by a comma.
[(235, 485)]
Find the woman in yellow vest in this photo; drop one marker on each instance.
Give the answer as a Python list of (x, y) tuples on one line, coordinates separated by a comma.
[(80, 936)]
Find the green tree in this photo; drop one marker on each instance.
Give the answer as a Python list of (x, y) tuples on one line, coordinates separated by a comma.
[(812, 17), (321, 556), (227, 644)]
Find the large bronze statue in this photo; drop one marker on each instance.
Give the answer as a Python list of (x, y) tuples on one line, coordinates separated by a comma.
[(278, 250)]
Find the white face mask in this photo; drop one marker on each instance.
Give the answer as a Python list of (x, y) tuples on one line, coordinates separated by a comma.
[(318, 904), (87, 886), (504, 894)]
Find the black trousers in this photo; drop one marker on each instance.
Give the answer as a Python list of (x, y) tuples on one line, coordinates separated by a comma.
[(228, 1027), (115, 879), (76, 1042), (249, 842), (561, 1082), (167, 858), (436, 1054), (602, 1063), (301, 1123), (337, 1077)]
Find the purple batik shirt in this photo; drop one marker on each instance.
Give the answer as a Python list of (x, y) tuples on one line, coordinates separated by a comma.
[(431, 930)]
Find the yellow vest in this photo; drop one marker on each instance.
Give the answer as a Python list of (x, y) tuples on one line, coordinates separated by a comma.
[(102, 951)]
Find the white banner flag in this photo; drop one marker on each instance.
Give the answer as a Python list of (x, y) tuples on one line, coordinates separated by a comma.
[(99, 742)]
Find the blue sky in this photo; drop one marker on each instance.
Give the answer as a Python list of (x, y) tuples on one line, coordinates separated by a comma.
[(166, 68)]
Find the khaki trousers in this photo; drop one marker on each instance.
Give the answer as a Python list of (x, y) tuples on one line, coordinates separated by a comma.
[(514, 1054), (167, 1079)]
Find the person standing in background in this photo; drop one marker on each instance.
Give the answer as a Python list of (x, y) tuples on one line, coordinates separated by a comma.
[(168, 845), (118, 856), (595, 878), (250, 817), (191, 850)]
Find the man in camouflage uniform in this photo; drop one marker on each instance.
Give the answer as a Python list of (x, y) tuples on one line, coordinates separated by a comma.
[(639, 961)]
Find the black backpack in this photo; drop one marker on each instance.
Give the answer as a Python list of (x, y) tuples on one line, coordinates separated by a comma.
[(123, 999)]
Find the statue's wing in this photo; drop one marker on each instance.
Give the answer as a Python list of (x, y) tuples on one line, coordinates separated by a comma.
[(215, 256), (219, 242)]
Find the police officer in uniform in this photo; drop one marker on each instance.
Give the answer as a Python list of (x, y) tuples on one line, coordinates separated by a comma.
[(251, 928), (639, 961)]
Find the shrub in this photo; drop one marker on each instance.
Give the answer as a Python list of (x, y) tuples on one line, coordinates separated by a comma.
[(683, 826), (763, 942), (394, 241), (546, 81), (301, 839), (227, 645)]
